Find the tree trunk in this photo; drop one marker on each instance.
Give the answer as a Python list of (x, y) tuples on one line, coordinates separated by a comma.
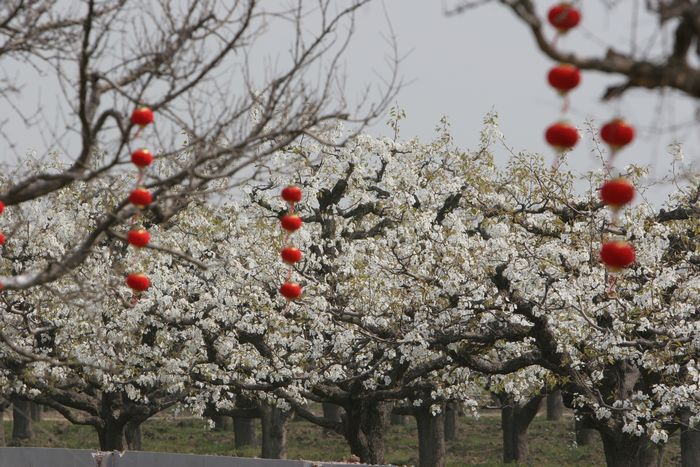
[(222, 423), (331, 412), (365, 424), (111, 435), (132, 431), (3, 406), (274, 432), (36, 410), (431, 437), (21, 421), (585, 435), (451, 422), (622, 450), (690, 442), (555, 406), (515, 421), (398, 419), (244, 427)]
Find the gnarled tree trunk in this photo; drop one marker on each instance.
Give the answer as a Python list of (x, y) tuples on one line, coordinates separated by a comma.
[(515, 420), (623, 450), (21, 421), (585, 435), (3, 406), (451, 421), (244, 427), (134, 438), (555, 406), (431, 437), (111, 435), (365, 424), (274, 432), (690, 442), (331, 412)]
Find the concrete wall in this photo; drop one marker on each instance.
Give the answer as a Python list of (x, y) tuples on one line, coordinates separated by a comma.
[(50, 457)]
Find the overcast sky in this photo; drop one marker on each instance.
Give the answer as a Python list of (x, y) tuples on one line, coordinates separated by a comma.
[(464, 66), (485, 59)]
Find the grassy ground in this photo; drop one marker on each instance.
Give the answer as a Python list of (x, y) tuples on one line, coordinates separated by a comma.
[(478, 442)]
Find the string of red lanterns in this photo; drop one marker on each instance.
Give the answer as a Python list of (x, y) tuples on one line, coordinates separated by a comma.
[(289, 254), (563, 136), (138, 237)]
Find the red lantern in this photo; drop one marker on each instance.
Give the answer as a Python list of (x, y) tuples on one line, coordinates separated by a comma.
[(617, 133), (291, 194), (290, 290), (290, 255), (616, 193), (138, 282), (564, 77), (2, 238), (564, 16), (138, 238), (291, 222), (140, 197), (562, 135), (617, 255), (142, 116), (142, 157), (2, 207)]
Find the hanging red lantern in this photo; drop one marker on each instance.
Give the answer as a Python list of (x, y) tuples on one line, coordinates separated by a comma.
[(290, 255), (617, 255), (564, 77), (564, 17), (291, 194), (2, 238), (2, 207), (140, 197), (617, 133), (290, 290), (139, 282), (563, 136), (616, 193), (291, 222), (142, 158), (142, 116), (138, 238)]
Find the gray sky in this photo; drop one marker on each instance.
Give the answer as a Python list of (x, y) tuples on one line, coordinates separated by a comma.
[(484, 59)]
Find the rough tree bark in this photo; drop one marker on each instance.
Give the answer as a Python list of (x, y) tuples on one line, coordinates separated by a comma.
[(515, 420), (274, 432), (21, 421), (37, 411), (622, 450), (134, 438), (111, 434), (365, 424), (4, 404), (331, 412), (585, 435), (690, 442), (431, 437), (451, 422), (555, 406), (244, 427)]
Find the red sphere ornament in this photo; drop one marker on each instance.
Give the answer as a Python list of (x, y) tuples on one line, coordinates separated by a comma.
[(617, 255), (2, 207), (2, 239), (564, 16), (142, 116), (290, 255), (616, 193), (562, 135), (138, 282), (142, 158), (290, 290), (617, 133), (140, 197), (291, 194), (138, 238), (291, 222), (564, 77)]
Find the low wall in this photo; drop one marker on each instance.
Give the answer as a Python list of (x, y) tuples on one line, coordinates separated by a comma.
[(55, 457)]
